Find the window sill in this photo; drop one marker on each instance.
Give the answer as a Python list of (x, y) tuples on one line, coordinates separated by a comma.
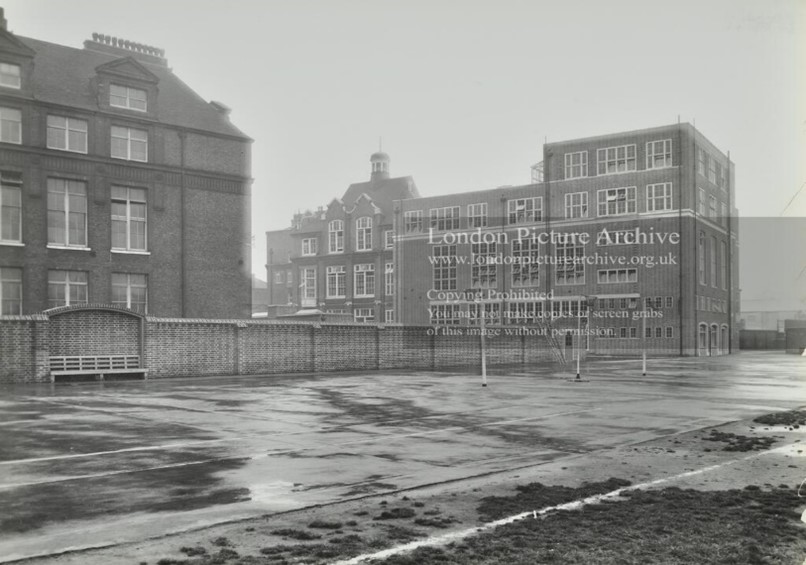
[(128, 159), (68, 150), (12, 243), (130, 252), (68, 247)]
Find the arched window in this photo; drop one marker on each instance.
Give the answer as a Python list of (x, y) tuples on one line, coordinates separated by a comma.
[(724, 341), (335, 231), (713, 340), (702, 340), (363, 234)]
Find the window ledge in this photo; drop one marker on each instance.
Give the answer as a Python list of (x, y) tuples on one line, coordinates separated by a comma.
[(12, 243), (69, 247), (130, 252)]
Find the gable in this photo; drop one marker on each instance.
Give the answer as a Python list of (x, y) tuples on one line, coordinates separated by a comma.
[(10, 44), (127, 68)]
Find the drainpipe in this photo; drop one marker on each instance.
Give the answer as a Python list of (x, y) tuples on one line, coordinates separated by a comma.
[(682, 247), (729, 249)]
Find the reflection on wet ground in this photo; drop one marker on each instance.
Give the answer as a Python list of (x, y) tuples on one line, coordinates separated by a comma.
[(101, 463)]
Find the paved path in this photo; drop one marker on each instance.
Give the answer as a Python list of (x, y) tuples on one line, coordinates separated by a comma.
[(92, 465)]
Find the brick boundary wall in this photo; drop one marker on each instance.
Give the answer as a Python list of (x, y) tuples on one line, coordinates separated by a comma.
[(178, 347)]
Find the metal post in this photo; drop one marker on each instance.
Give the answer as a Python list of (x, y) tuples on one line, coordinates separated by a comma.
[(579, 333), (643, 339), (483, 347)]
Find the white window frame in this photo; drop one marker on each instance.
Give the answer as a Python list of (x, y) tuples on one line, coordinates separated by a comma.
[(121, 97), (131, 196), (72, 284), (68, 137), (525, 263), (702, 159), (700, 201), (723, 264), (443, 270), (608, 196), (712, 260), (364, 315), (335, 236), (310, 246), (483, 268), (525, 210), (723, 217), (616, 159), (477, 215), (712, 169), (576, 165), (10, 75), (389, 239), (10, 208), (69, 201), (10, 291), (389, 316), (130, 137), (336, 281), (389, 279), (701, 273), (576, 205), (569, 272), (659, 154), (444, 219), (712, 213), (363, 234), (659, 197), (616, 276), (131, 284), (445, 314), (413, 221), (364, 280), (307, 286), (10, 125)]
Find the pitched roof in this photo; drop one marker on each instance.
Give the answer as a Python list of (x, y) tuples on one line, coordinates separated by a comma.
[(382, 192), (63, 75)]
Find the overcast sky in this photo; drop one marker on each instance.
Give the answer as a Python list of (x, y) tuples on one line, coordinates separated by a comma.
[(464, 92)]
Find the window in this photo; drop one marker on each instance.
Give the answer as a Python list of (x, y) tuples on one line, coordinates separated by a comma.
[(490, 311), (389, 316), (723, 216), (712, 169), (700, 202), (125, 97), (363, 234), (66, 288), (702, 159), (67, 134), (523, 312), (633, 332), (648, 332), (364, 315), (389, 279), (413, 221), (364, 280), (617, 201), (723, 264), (310, 246), (278, 278), (616, 159), (576, 205), (10, 76), (10, 291), (336, 281), (444, 267), (445, 314), (570, 268), (335, 236), (669, 301), (658, 197), (712, 259), (67, 213), (525, 262), (483, 269), (712, 207), (659, 154), (289, 278), (388, 239), (130, 291), (525, 210), (576, 165), (669, 331), (701, 258), (444, 218), (129, 144), (611, 276), (308, 286), (477, 215), (129, 218), (720, 176), (10, 207), (10, 125)]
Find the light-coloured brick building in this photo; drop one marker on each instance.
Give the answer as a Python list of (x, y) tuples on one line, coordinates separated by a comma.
[(120, 184), (621, 228)]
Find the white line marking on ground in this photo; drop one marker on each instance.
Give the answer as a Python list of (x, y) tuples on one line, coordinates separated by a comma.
[(461, 534)]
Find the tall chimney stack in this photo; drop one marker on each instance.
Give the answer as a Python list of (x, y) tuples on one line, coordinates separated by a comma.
[(3, 21)]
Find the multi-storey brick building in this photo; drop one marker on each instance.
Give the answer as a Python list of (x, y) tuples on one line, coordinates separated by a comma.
[(618, 229), (120, 185), (342, 255)]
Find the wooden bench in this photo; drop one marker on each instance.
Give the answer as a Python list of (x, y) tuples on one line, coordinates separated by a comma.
[(98, 366)]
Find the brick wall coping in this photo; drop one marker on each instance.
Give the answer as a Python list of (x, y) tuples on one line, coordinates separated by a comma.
[(84, 307), (26, 318)]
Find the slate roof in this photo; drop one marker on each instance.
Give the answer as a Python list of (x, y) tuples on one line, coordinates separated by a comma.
[(382, 192), (63, 75)]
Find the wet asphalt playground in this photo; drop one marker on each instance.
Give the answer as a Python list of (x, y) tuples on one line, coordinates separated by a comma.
[(96, 464)]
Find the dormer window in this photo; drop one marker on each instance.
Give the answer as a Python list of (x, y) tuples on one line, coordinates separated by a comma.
[(126, 97), (10, 75)]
